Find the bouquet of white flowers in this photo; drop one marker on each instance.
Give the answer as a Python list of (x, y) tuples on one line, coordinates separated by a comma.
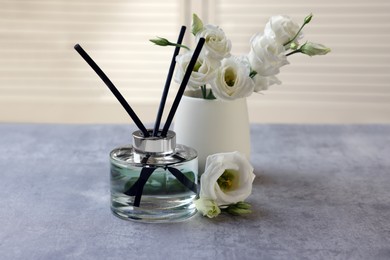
[(221, 75)]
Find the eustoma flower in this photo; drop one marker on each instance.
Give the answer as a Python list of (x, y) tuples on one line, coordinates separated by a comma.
[(217, 46), (227, 179), (221, 76), (232, 80), (204, 71), (282, 29), (266, 56)]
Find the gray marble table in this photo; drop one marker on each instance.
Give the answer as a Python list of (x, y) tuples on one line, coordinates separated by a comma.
[(321, 192)]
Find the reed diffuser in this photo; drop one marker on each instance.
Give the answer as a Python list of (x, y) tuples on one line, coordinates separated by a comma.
[(154, 179)]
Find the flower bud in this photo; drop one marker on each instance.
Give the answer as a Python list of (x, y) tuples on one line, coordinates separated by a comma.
[(207, 207), (243, 205), (293, 46), (308, 18), (234, 209), (311, 49), (160, 41)]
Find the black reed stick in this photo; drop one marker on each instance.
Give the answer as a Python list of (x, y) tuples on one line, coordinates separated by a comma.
[(182, 87), (113, 89), (168, 83)]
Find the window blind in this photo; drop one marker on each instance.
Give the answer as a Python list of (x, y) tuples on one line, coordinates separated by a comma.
[(43, 79)]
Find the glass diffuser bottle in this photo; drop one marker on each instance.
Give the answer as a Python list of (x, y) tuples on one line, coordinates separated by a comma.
[(154, 180)]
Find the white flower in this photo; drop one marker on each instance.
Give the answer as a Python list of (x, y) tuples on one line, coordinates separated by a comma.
[(232, 80), (266, 55), (207, 207), (227, 179), (216, 46), (262, 83), (203, 73), (282, 29)]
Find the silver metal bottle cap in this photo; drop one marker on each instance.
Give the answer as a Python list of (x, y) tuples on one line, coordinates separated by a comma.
[(154, 144)]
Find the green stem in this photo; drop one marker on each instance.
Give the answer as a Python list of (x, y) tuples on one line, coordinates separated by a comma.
[(179, 45), (209, 96), (203, 89), (293, 39), (293, 52), (306, 21)]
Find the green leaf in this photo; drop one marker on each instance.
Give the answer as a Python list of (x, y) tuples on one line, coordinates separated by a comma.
[(197, 24)]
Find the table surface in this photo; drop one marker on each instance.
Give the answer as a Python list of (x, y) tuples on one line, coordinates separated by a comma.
[(320, 192)]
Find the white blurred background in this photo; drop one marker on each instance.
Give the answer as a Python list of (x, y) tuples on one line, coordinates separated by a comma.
[(42, 78)]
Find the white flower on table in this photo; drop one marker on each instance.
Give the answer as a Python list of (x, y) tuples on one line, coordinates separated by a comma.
[(227, 179), (233, 80)]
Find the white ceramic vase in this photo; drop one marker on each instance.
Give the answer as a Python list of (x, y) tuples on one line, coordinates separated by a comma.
[(212, 126)]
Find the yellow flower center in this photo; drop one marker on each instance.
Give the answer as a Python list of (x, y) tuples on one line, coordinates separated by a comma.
[(230, 77), (197, 66), (228, 181)]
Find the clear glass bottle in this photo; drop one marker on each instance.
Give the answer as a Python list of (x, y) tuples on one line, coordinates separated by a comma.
[(154, 180)]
